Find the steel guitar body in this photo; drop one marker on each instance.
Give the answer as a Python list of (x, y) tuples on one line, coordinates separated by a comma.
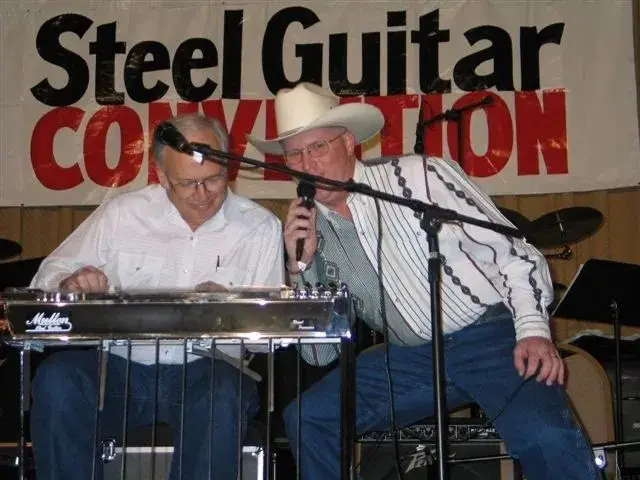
[(203, 323), (253, 316)]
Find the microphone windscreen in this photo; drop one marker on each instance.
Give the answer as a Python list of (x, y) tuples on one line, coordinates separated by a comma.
[(169, 135), (307, 192)]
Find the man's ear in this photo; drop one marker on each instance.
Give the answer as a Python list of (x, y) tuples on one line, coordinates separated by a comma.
[(349, 142), (162, 177)]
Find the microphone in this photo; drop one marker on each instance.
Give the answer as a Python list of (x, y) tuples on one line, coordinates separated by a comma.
[(169, 135), (455, 113), (306, 191)]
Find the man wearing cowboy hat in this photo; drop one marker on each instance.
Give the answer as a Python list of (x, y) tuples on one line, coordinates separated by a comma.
[(498, 348)]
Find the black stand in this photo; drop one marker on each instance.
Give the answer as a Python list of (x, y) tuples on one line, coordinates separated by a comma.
[(432, 226), (432, 218), (606, 292), (455, 115)]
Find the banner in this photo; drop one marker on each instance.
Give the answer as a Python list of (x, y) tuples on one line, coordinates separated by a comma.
[(85, 83)]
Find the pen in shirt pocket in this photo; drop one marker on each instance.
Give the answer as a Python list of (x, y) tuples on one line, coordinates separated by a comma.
[(218, 263)]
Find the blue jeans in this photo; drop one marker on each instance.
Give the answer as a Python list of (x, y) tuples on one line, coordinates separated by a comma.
[(537, 425), (65, 390)]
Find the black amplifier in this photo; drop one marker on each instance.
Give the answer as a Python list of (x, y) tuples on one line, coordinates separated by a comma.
[(469, 439)]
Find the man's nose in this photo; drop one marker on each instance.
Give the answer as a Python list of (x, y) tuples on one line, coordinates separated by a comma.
[(201, 191), (310, 163)]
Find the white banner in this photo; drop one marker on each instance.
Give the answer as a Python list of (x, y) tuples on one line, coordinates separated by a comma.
[(85, 82)]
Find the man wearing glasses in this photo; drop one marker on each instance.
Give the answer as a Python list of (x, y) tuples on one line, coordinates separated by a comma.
[(190, 232), (498, 349)]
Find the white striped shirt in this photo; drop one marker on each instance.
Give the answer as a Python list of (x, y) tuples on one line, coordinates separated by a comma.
[(140, 241), (480, 267)]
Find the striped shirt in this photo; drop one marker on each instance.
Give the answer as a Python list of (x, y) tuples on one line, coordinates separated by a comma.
[(480, 267)]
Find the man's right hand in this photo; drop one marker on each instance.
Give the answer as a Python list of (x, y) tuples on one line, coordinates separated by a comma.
[(300, 223), (87, 280)]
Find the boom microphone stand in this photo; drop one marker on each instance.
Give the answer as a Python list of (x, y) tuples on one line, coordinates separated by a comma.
[(432, 218), (455, 115)]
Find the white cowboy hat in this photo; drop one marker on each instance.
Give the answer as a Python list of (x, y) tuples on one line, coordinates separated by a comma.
[(308, 106)]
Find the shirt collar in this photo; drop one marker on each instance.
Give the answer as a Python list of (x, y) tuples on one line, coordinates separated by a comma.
[(358, 174)]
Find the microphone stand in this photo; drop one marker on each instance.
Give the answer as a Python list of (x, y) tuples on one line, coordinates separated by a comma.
[(455, 115), (432, 218)]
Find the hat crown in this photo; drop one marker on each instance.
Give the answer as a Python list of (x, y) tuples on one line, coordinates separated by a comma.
[(297, 107)]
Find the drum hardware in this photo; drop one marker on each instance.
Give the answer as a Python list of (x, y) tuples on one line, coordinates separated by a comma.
[(9, 248), (565, 254), (564, 227)]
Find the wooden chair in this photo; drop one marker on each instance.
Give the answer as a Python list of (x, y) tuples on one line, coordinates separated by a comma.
[(589, 390)]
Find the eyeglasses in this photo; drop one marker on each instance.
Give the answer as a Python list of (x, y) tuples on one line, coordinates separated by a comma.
[(315, 150), (189, 187)]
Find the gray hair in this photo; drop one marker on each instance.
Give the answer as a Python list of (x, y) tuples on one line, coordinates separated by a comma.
[(191, 123)]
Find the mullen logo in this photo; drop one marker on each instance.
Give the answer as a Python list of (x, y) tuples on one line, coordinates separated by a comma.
[(53, 322)]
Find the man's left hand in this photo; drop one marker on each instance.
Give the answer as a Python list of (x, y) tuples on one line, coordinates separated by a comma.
[(210, 287), (538, 354)]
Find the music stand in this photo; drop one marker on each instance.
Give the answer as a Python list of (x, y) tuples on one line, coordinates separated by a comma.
[(604, 291)]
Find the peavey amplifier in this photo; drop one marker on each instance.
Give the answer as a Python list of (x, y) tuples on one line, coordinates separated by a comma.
[(376, 460)]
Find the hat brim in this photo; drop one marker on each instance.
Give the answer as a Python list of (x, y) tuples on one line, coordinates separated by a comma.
[(362, 120)]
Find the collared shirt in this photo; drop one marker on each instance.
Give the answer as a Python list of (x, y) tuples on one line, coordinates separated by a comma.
[(140, 241), (480, 267)]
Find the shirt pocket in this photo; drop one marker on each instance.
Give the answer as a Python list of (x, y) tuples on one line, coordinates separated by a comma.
[(138, 270), (230, 277)]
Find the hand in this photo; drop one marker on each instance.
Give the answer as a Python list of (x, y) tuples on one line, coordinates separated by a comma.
[(87, 280), (533, 352), (210, 287), (300, 223)]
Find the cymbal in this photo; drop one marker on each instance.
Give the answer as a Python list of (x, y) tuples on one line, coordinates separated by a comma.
[(521, 222), (565, 226), (9, 248)]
